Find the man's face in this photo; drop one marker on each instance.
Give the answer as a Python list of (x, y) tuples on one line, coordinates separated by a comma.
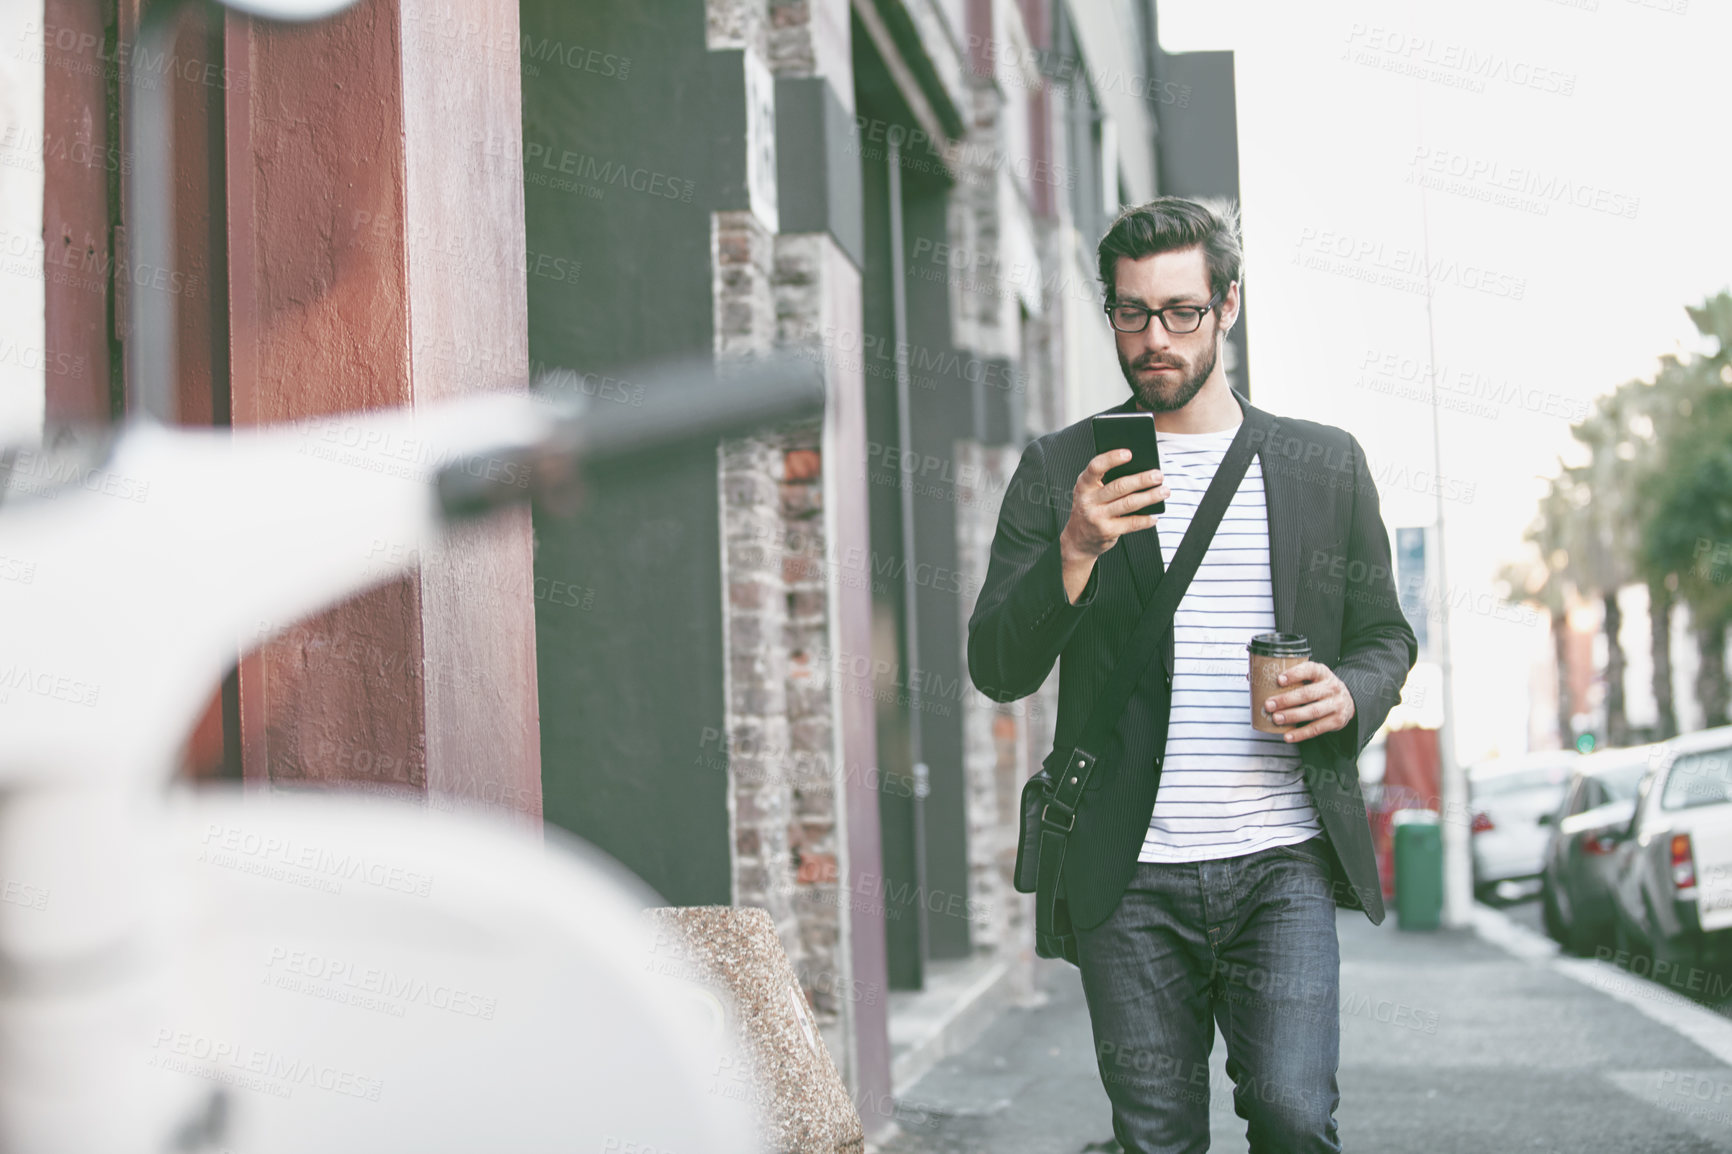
[(1166, 370)]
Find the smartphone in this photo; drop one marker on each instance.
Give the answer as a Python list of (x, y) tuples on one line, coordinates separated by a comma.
[(1133, 431)]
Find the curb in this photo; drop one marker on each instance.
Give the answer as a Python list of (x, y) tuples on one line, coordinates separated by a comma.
[(986, 989), (1677, 1013)]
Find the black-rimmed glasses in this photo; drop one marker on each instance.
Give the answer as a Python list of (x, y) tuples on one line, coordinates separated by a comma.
[(1176, 319)]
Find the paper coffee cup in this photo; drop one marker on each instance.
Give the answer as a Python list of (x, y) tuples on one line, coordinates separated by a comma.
[(1272, 654)]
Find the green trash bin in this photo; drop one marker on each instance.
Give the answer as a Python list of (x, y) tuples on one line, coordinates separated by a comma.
[(1418, 869)]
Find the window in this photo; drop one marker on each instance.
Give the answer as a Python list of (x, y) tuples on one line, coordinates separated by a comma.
[(1084, 121), (1698, 779), (1520, 781), (1620, 784)]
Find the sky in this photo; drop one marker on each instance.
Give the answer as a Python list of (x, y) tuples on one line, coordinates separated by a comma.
[(1558, 169)]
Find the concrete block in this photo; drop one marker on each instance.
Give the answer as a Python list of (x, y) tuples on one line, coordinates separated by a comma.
[(802, 1104)]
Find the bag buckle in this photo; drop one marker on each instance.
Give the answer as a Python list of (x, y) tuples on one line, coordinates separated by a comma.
[(1048, 822)]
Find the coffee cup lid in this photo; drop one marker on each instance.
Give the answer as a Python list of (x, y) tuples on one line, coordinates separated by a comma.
[(1279, 645)]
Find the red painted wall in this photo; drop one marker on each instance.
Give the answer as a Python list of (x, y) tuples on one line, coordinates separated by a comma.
[(362, 249), (81, 171)]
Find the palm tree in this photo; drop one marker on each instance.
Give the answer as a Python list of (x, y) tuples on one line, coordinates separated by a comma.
[(1686, 498), (1651, 421), (1691, 533), (1538, 584), (1605, 531), (1633, 429), (1662, 598), (1652, 503)]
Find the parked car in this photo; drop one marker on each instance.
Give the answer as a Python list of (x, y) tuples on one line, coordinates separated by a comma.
[(1576, 881), (1508, 795), (1672, 867)]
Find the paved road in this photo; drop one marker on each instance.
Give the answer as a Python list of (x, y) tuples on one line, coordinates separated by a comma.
[(1493, 1051)]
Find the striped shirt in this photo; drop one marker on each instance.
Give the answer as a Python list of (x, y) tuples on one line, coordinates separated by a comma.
[(1225, 789)]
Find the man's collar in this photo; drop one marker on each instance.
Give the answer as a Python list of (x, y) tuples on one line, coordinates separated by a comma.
[(1249, 411)]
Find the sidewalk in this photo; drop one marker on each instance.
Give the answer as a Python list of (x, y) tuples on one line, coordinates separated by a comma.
[(1455, 1041)]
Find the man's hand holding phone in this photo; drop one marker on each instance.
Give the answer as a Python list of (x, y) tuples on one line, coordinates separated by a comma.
[(1101, 513)]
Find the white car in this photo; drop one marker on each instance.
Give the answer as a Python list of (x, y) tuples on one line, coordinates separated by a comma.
[(1510, 796), (1672, 868)]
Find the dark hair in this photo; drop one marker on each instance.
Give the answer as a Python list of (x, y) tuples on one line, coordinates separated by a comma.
[(1167, 223)]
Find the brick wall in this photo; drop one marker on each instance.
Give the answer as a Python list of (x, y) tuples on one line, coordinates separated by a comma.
[(751, 471), (982, 298), (771, 291), (812, 708), (811, 38), (781, 703), (1002, 743), (812, 832), (757, 672), (736, 24), (1043, 344)]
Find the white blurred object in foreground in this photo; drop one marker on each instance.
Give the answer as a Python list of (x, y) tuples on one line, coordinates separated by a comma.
[(290, 974)]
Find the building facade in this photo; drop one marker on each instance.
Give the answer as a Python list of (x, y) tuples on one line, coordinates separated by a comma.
[(742, 672)]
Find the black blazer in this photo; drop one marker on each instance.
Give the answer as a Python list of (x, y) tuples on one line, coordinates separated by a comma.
[(1333, 582)]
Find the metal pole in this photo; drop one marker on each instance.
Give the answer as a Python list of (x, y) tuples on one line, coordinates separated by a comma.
[(910, 589), (1457, 859)]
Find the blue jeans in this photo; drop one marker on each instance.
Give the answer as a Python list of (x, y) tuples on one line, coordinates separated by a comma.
[(1246, 942)]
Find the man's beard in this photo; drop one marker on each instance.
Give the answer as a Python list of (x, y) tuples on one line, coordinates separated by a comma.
[(1168, 394)]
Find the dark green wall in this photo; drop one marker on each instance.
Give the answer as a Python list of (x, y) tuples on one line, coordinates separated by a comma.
[(632, 686), (943, 407), (942, 404)]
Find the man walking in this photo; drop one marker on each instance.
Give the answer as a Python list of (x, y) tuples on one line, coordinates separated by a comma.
[(1207, 857)]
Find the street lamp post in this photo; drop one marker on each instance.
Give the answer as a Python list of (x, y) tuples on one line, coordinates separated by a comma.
[(1457, 858)]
